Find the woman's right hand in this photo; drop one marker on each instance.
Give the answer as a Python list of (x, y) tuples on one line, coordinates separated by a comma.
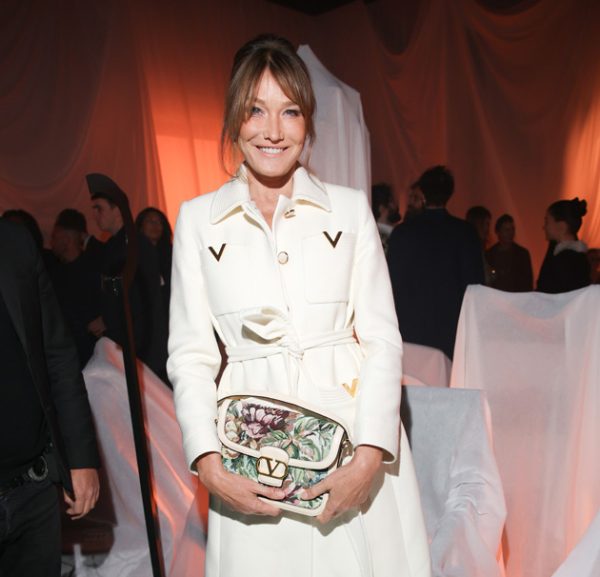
[(238, 492)]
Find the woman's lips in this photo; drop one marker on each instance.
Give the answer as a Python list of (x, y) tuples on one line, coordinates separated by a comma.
[(270, 149)]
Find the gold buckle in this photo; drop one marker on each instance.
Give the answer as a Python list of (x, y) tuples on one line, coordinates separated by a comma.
[(272, 466)]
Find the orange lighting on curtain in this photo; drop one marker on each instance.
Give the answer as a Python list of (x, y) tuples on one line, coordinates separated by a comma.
[(582, 171), (188, 167)]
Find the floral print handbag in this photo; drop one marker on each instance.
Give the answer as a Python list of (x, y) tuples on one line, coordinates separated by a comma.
[(280, 443)]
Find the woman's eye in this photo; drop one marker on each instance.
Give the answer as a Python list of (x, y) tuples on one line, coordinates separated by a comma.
[(295, 112), (255, 110)]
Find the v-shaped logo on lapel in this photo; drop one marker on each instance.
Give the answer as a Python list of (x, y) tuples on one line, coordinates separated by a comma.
[(219, 254), (333, 241)]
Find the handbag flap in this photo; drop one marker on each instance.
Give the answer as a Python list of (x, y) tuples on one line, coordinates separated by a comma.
[(248, 422)]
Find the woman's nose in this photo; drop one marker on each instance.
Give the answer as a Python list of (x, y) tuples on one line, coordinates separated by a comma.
[(273, 130)]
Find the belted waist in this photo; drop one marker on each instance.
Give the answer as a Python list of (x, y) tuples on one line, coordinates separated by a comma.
[(289, 346), (275, 334)]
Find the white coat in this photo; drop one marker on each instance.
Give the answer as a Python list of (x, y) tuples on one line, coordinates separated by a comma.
[(303, 308)]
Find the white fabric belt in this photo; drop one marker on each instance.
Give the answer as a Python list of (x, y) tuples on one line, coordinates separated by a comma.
[(277, 336), (292, 347)]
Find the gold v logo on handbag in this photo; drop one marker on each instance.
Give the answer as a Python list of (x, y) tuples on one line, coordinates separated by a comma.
[(272, 466), (219, 254), (351, 389), (333, 241)]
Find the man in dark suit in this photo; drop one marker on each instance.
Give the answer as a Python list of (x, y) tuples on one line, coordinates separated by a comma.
[(46, 427), (432, 258), (149, 315), (75, 281), (509, 262)]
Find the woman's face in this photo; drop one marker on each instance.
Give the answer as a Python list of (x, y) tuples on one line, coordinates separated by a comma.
[(272, 137), (152, 227), (554, 229)]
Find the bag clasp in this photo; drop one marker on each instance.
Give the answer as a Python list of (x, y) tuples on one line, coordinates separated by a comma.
[(272, 466)]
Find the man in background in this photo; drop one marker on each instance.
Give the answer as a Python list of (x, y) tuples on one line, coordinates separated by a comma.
[(480, 218), (150, 321), (385, 211), (510, 263), (46, 428), (76, 282), (432, 258)]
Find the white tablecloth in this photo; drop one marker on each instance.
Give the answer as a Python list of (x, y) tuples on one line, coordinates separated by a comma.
[(423, 365), (537, 357), (177, 496), (584, 560), (458, 478)]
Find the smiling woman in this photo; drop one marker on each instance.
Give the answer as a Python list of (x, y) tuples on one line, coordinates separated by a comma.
[(268, 118), (290, 273), (272, 137)]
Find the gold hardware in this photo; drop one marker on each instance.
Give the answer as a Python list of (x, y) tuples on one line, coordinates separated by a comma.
[(351, 389), (346, 450), (272, 466), (333, 241), (219, 254)]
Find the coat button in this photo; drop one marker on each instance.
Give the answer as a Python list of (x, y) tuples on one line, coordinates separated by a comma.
[(283, 257)]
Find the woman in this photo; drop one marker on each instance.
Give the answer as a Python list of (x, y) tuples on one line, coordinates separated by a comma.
[(153, 224), (156, 256), (566, 266), (287, 270)]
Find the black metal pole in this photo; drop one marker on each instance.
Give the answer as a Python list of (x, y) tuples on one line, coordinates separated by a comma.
[(118, 288), (136, 410)]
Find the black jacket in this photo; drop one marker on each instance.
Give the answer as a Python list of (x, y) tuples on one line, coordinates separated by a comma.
[(149, 311), (51, 354), (432, 258), (566, 271), (511, 268)]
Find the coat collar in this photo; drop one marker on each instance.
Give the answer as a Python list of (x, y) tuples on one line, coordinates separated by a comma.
[(575, 245), (235, 193)]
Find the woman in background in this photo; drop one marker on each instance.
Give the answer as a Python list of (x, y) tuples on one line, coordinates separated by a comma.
[(153, 224), (566, 266)]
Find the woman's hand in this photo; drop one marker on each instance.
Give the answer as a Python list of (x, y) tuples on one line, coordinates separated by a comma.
[(348, 486), (238, 492)]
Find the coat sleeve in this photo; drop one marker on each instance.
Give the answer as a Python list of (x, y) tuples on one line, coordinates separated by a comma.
[(194, 357), (378, 402), (67, 389)]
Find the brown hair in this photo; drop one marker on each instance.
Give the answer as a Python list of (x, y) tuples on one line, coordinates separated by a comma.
[(276, 54)]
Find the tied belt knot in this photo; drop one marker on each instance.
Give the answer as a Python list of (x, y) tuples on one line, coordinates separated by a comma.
[(274, 334)]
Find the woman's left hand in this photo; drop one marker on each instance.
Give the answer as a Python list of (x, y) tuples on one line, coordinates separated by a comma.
[(348, 486)]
